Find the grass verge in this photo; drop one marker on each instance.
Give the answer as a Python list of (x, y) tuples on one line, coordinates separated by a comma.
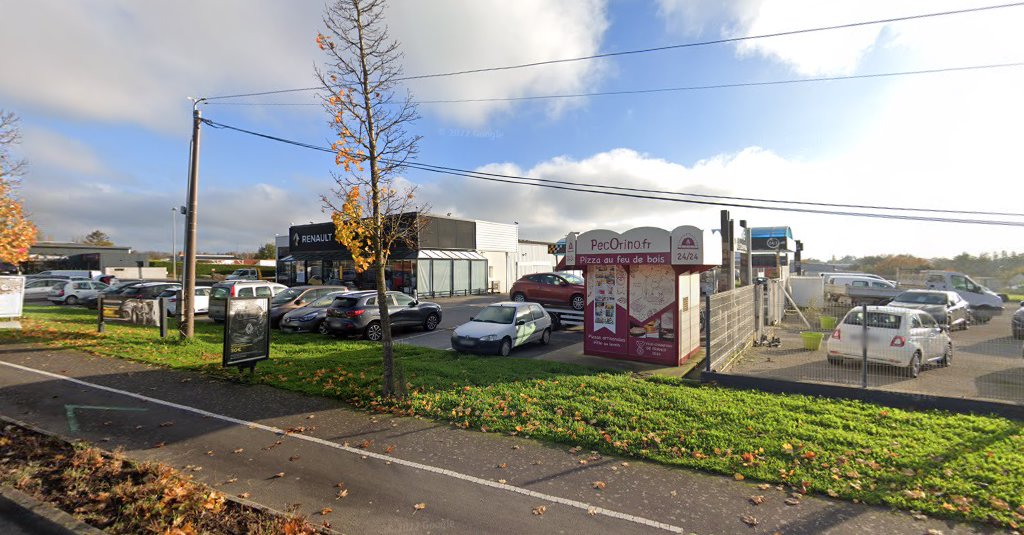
[(950, 465), (119, 496)]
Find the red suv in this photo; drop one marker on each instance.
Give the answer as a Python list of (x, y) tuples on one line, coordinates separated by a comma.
[(551, 288)]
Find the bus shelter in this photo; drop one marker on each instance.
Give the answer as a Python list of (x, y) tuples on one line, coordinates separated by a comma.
[(643, 290)]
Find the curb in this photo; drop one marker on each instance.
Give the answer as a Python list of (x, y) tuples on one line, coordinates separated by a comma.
[(39, 517)]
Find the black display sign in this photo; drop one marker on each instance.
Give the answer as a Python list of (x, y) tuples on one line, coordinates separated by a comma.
[(246, 331), (769, 244), (317, 237), (556, 248)]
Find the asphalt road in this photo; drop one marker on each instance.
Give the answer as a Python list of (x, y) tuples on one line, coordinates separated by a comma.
[(233, 436)]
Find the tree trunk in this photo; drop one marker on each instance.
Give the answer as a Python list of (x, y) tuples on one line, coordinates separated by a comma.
[(379, 254)]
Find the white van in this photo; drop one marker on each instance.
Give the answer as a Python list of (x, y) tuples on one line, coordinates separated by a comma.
[(985, 304), (221, 291), (70, 273), (860, 281)]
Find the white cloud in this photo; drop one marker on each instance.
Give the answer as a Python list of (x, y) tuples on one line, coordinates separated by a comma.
[(60, 152), (123, 61), (753, 172), (976, 37), (486, 33)]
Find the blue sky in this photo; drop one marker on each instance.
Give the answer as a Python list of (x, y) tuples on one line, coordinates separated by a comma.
[(106, 121)]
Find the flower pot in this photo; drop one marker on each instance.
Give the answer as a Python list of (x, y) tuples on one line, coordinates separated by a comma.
[(812, 340), (827, 323)]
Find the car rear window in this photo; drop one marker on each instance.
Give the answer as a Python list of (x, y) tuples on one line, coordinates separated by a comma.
[(922, 298), (219, 293), (345, 302), (884, 320)]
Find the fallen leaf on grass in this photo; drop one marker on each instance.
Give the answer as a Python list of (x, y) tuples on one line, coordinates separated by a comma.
[(764, 486), (914, 494), (540, 510), (325, 510), (244, 495), (599, 485), (420, 506), (366, 444), (749, 520), (278, 475), (832, 493), (239, 450), (738, 476), (757, 500)]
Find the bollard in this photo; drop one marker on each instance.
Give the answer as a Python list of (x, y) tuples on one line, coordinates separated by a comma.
[(162, 303)]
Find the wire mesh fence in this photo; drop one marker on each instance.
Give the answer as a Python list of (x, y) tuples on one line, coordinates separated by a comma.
[(732, 324), (927, 350)]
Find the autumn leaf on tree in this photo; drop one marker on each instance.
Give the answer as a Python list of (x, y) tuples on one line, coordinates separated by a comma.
[(17, 233)]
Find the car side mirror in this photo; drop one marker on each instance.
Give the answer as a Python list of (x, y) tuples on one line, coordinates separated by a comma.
[(471, 318), (520, 322), (298, 301)]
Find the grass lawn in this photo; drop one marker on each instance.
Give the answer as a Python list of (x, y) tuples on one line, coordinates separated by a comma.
[(968, 467)]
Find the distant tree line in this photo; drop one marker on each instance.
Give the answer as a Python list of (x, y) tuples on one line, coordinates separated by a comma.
[(1001, 265)]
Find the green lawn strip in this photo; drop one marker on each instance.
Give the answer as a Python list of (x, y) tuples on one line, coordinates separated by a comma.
[(958, 466)]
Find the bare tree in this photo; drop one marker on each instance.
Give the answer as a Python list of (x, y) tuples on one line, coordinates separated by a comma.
[(372, 211), (10, 135), (17, 233)]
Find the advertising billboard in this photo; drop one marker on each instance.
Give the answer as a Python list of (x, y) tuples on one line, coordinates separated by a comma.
[(12, 296), (246, 331)]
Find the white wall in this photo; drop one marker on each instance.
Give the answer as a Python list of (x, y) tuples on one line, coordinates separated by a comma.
[(534, 258), (496, 237), (500, 269)]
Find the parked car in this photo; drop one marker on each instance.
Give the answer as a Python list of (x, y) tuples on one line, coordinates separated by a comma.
[(201, 305), (550, 288), (947, 308), (859, 281), (147, 289), (69, 273), (1017, 322), (311, 317), (899, 337), (112, 290), (39, 289), (984, 303), (298, 297), (70, 293), (357, 313), (502, 326), (245, 274), (220, 292)]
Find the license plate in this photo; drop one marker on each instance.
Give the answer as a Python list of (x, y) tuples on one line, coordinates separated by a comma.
[(469, 342)]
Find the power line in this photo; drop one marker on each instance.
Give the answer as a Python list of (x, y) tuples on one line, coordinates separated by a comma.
[(649, 194), (654, 49), (673, 89)]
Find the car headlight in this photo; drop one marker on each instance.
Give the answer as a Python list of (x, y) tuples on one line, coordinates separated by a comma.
[(308, 317), (489, 338)]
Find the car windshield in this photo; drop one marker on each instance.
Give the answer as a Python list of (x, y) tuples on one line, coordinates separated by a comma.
[(496, 314), (170, 292), (884, 320), (285, 296), (573, 279), (219, 292), (324, 301), (921, 298)]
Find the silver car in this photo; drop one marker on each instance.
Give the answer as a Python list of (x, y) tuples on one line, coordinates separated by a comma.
[(947, 308)]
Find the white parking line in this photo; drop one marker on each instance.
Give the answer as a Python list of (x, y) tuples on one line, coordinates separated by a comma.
[(364, 453)]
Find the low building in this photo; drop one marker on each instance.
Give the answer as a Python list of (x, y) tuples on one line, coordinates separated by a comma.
[(66, 255), (535, 257), (448, 256)]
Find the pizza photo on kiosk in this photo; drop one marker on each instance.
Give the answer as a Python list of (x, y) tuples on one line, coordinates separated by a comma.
[(637, 331)]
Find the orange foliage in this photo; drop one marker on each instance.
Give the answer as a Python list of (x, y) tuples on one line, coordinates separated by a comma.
[(351, 231), (17, 233)]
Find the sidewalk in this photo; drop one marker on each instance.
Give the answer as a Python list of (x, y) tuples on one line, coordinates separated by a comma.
[(233, 436)]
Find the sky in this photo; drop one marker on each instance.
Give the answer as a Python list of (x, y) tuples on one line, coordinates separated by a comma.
[(102, 90)]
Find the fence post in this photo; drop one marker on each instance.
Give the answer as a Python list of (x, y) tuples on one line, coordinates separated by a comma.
[(162, 303), (757, 311), (100, 325), (707, 332), (864, 346)]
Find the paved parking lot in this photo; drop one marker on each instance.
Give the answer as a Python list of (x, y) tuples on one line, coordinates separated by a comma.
[(987, 365)]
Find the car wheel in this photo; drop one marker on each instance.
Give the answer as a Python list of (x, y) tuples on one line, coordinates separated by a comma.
[(322, 328), (374, 332), (947, 357), (431, 322), (545, 337), (519, 297), (914, 368), (578, 302), (506, 347), (71, 300)]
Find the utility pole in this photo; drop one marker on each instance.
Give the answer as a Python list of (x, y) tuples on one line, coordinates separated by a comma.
[(188, 291), (174, 245)]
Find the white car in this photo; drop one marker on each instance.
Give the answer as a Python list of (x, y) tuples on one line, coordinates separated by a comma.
[(72, 292), (201, 305), (220, 291), (501, 326), (37, 289), (896, 336)]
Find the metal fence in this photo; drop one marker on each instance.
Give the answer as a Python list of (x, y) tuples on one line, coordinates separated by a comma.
[(730, 324), (904, 351)]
